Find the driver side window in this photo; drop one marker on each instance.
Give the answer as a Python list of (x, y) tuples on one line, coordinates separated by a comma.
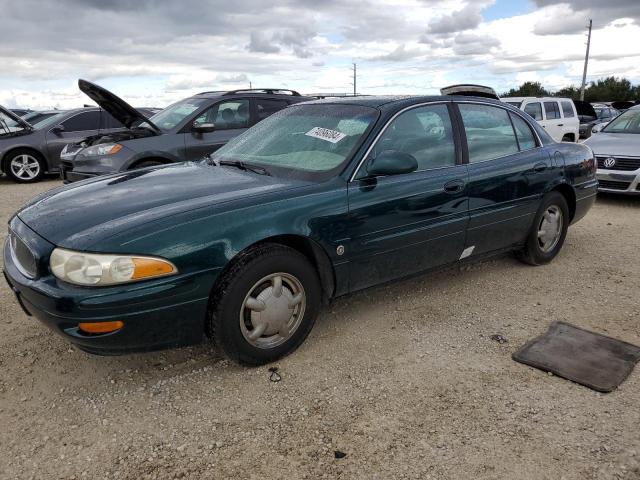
[(425, 133), (226, 115)]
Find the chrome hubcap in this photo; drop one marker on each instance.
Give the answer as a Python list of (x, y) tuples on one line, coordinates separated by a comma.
[(272, 310), (550, 228), (25, 167)]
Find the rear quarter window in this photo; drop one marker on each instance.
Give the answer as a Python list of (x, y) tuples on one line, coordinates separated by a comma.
[(567, 109)]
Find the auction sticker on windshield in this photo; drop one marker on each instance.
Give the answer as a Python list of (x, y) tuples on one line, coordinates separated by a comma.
[(325, 134)]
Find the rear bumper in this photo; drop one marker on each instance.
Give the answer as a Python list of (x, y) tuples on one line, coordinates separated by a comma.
[(158, 314)]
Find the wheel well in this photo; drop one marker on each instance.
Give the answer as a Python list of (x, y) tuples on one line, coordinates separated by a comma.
[(570, 196), (7, 155), (149, 159), (570, 135), (310, 249)]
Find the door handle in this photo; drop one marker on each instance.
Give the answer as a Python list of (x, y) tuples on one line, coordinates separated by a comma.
[(454, 186), (561, 124), (539, 167)]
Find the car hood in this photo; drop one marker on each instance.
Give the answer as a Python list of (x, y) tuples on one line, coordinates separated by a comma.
[(623, 144), (585, 109), (118, 108), (81, 215), (15, 118)]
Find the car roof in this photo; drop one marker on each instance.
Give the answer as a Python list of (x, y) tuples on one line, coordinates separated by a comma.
[(520, 99), (386, 101), (252, 92)]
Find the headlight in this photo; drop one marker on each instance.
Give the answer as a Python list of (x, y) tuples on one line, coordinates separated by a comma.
[(102, 149), (69, 152), (99, 269)]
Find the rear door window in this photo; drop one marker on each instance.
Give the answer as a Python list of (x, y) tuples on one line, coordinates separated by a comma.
[(82, 121), (567, 109), (269, 106), (489, 132), (534, 109), (526, 140), (551, 110)]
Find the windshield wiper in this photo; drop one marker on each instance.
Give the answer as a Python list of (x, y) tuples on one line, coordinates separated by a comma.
[(244, 166)]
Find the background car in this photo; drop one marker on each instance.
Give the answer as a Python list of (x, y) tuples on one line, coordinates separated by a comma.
[(187, 130), (557, 116), (591, 115), (617, 150), (29, 149), (21, 112), (319, 200)]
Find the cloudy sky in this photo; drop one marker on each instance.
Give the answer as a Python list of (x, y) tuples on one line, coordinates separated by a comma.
[(153, 52)]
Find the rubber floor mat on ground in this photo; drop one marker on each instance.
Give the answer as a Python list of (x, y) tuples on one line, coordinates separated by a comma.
[(590, 359)]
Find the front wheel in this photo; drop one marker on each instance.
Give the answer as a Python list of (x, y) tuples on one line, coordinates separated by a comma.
[(265, 305), (548, 231), (24, 166)]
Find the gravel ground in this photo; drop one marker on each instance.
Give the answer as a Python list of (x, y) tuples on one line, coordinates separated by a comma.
[(403, 379)]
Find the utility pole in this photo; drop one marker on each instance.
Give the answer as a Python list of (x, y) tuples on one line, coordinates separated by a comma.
[(250, 86), (354, 79), (586, 62)]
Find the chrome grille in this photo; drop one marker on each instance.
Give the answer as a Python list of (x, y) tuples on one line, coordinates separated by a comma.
[(620, 163), (22, 256)]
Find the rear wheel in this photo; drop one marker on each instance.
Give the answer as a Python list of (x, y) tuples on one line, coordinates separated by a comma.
[(265, 305), (568, 138), (548, 231), (24, 166)]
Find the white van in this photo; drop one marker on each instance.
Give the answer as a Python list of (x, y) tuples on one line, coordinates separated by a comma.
[(557, 116)]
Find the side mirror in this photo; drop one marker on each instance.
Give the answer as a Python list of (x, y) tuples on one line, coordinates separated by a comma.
[(58, 129), (203, 127), (392, 162)]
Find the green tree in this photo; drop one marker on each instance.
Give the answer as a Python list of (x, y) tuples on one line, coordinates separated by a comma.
[(572, 92), (527, 89), (610, 89)]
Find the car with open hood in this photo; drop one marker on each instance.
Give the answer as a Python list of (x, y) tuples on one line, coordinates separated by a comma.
[(594, 114), (617, 150), (318, 200), (186, 130), (31, 148)]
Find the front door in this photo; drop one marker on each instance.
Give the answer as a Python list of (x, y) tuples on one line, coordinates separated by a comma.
[(509, 171), (75, 129), (231, 118), (403, 224)]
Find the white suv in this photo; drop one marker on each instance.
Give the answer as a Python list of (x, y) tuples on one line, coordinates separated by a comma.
[(557, 116)]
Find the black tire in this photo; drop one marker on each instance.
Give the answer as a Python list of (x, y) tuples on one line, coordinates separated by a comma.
[(533, 253), (239, 281), (18, 156), (147, 163)]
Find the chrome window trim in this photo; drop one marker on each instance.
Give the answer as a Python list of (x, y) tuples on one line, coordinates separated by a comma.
[(515, 111)]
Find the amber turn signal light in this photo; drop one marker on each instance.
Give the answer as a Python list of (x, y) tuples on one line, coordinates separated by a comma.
[(101, 327)]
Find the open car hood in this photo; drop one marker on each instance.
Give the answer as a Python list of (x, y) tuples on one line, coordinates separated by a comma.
[(118, 108), (470, 90), (15, 118), (585, 109)]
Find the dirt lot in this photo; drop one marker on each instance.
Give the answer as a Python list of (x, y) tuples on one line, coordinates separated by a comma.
[(403, 379)]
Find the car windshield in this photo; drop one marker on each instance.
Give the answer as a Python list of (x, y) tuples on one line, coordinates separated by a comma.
[(175, 114), (310, 142), (628, 122)]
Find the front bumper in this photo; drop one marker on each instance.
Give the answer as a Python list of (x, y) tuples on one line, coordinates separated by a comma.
[(162, 313), (619, 181), (69, 175)]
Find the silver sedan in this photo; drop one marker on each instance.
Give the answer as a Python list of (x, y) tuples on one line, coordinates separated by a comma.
[(617, 149)]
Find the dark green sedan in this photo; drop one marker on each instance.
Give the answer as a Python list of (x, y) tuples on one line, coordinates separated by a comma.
[(319, 200)]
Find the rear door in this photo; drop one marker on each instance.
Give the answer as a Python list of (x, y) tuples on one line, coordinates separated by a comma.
[(553, 122), (231, 118), (403, 224), (76, 128), (508, 173), (571, 123)]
